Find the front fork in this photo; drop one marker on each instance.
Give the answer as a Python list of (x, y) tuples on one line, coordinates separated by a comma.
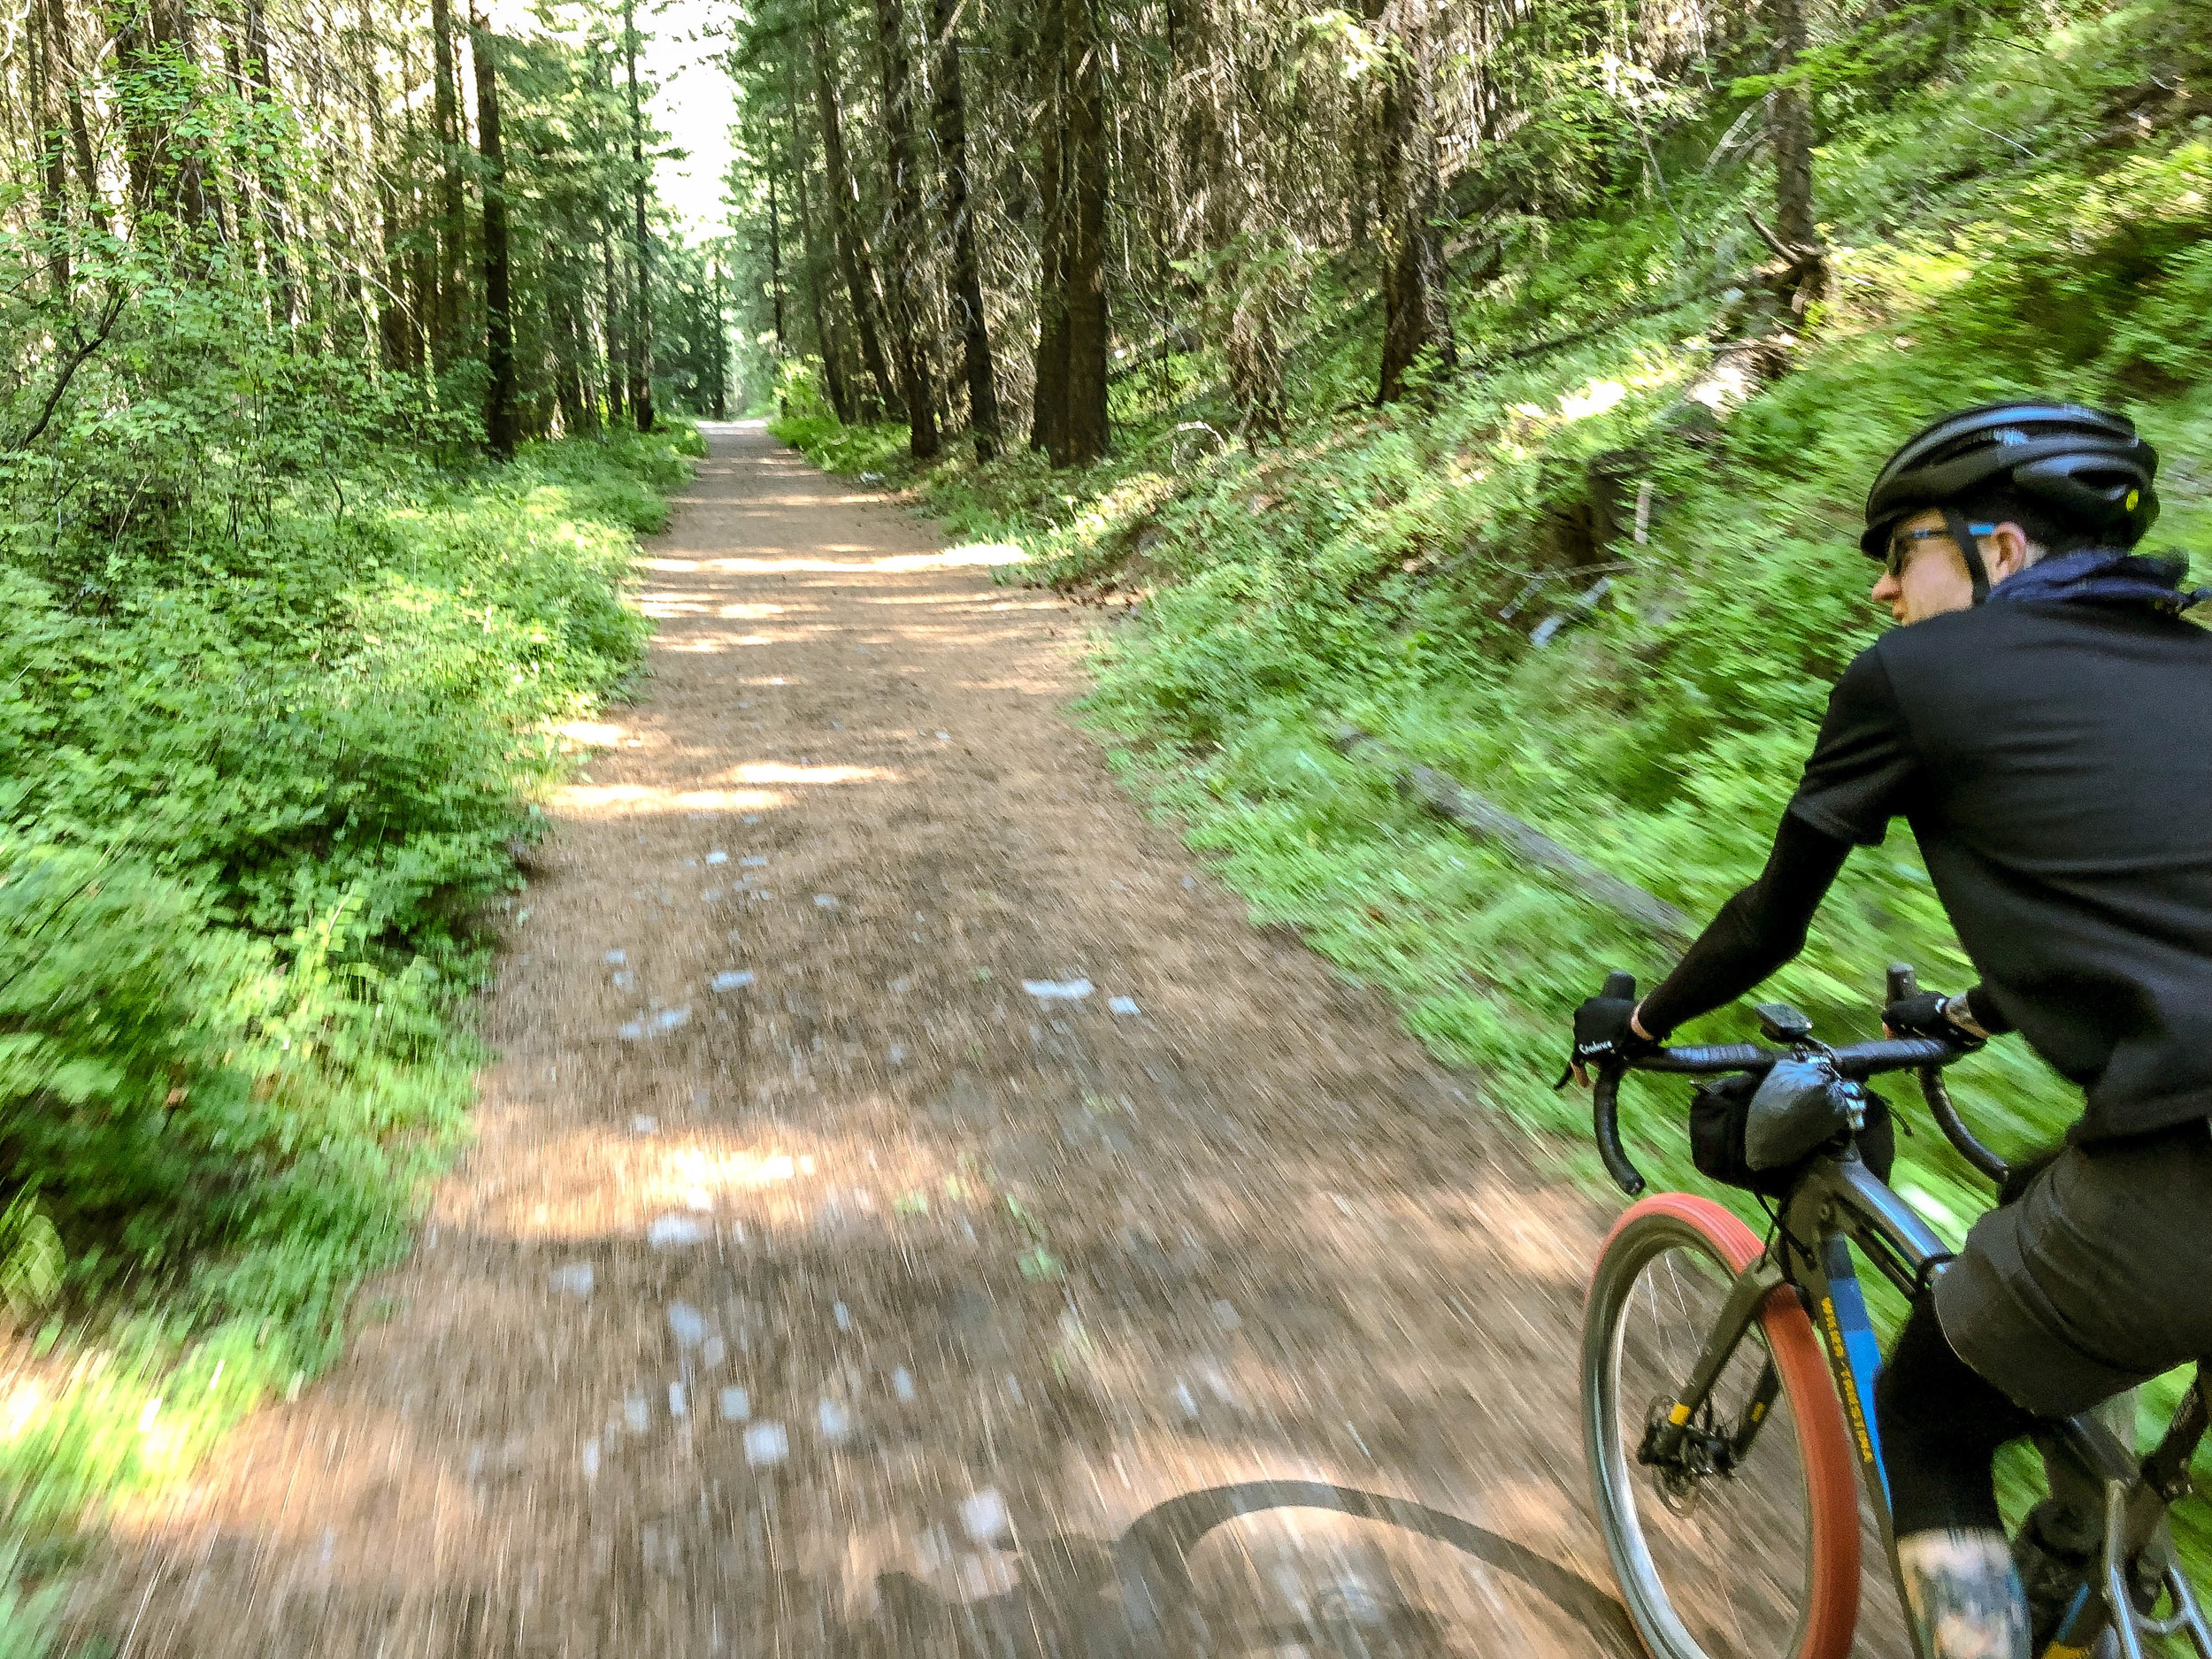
[(1663, 1442)]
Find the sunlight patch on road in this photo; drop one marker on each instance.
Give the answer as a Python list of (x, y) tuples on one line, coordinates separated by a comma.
[(595, 733), (586, 799), (978, 554), (776, 772)]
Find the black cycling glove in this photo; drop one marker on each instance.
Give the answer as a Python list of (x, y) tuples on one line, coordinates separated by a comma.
[(1603, 1036), (1925, 1015)]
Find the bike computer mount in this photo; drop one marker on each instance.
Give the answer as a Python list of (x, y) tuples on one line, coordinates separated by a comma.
[(1778, 1022)]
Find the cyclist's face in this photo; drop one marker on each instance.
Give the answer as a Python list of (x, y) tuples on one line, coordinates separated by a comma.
[(1926, 573)]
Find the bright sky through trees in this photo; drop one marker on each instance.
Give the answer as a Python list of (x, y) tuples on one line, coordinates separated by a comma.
[(694, 106)]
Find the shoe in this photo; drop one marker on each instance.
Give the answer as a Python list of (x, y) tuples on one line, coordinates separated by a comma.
[(2051, 1553)]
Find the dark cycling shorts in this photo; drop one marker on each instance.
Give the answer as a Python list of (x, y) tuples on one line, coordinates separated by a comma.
[(2098, 1277)]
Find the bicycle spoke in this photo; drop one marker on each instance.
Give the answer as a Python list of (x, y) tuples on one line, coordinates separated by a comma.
[(1728, 1546)]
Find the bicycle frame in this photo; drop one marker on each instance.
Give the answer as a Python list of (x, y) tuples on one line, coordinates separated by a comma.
[(1841, 1203)]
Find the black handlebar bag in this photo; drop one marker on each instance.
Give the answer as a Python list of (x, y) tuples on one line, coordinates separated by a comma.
[(1757, 1132)]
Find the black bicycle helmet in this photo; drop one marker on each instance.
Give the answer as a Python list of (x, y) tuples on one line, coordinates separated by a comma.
[(2088, 466)]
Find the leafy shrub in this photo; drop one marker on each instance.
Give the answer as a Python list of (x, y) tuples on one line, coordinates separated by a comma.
[(258, 783)]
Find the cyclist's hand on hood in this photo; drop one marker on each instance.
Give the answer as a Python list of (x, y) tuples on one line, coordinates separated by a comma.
[(1605, 1034)]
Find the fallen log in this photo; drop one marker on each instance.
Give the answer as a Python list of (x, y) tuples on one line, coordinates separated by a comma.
[(1449, 798)]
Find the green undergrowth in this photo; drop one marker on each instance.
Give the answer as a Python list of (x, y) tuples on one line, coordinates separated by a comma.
[(260, 782), (1362, 568)]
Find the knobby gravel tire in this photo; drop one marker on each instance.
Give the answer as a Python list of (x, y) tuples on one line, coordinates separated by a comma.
[(1653, 1250)]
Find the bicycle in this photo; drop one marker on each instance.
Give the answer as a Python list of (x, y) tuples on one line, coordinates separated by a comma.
[(1702, 1345)]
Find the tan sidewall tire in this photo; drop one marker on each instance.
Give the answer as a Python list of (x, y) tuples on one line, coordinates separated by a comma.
[(1824, 1444)]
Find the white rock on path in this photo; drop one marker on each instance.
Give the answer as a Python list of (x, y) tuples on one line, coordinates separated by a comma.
[(575, 1279), (737, 1405), (835, 1421), (731, 979), (718, 856), (1122, 1004), (983, 1516), (687, 1323), (1058, 990), (667, 1232), (766, 1443)]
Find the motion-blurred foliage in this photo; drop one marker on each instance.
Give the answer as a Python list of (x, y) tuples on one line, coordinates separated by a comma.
[(260, 776), (1987, 237)]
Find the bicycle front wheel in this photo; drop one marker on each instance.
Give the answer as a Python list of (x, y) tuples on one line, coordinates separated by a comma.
[(1721, 1549)]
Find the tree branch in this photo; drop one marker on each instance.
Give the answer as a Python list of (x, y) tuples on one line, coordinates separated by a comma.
[(85, 348)]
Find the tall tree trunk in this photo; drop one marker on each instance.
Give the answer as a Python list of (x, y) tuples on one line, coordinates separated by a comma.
[(1362, 173), (445, 331), (642, 317), (53, 172), (422, 286), (1049, 405), (197, 199), (903, 186), (852, 246), (571, 352), (1790, 124), (166, 177), (611, 318), (62, 67), (951, 119), (775, 263), (720, 355), (274, 230), (580, 412), (817, 272), (1085, 190), (1416, 305), (502, 421), (1226, 199)]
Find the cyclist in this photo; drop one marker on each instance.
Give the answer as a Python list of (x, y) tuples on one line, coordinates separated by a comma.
[(2043, 723)]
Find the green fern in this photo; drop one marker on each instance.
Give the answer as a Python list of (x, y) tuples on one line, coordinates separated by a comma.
[(31, 1258)]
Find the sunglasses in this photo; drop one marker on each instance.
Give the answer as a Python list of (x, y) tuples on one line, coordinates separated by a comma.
[(1900, 545)]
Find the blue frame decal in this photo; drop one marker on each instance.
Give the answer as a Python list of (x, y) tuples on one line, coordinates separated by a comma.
[(1853, 1353)]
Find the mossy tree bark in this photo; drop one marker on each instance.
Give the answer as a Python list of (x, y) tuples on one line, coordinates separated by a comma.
[(1085, 186), (951, 123), (853, 255), (501, 417), (1416, 305), (640, 342), (904, 198), (1048, 408)]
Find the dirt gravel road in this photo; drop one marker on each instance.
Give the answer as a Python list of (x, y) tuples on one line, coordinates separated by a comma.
[(831, 1278)]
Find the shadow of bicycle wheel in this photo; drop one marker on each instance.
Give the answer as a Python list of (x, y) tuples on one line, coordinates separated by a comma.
[(1152, 1558), (1138, 1597)]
